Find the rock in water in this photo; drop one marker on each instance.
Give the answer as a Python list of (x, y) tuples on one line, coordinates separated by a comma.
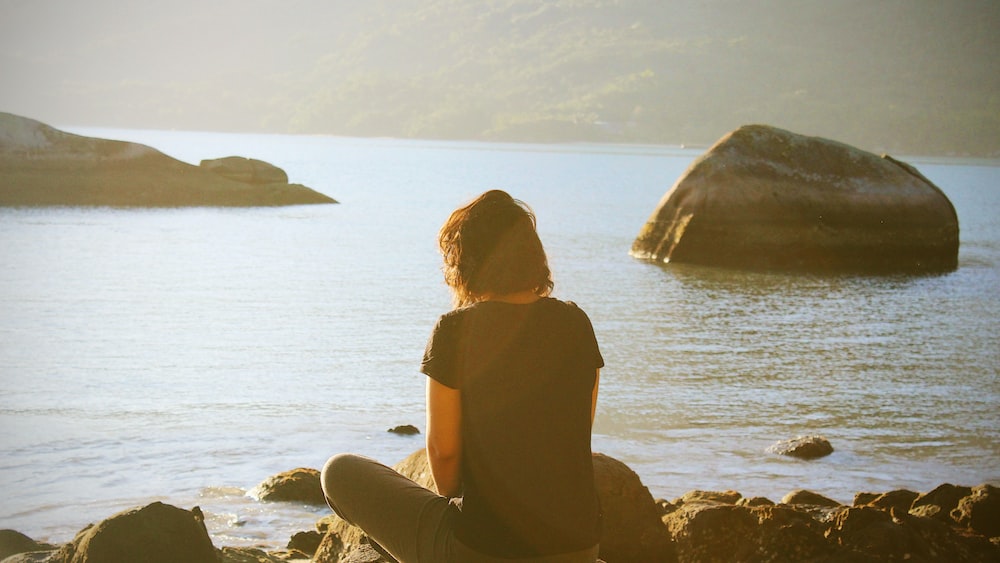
[(43, 166), (298, 485), (767, 199), (405, 430), (804, 447)]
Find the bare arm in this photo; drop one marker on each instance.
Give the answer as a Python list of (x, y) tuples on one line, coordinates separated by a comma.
[(444, 437), (593, 398)]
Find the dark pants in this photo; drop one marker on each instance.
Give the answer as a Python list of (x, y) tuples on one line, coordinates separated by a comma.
[(411, 523)]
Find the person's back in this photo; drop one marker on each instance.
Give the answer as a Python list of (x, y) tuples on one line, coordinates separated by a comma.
[(512, 385), (526, 374)]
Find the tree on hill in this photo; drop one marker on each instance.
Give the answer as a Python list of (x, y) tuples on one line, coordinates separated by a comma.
[(905, 76)]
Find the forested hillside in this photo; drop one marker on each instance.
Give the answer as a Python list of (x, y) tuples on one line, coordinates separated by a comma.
[(905, 76)]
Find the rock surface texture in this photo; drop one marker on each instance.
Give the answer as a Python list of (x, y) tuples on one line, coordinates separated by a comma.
[(763, 198), (156, 533), (804, 447), (298, 485), (43, 166), (949, 523)]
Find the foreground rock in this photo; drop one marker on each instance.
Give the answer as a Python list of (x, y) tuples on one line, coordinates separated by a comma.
[(807, 526), (298, 485), (949, 523), (13, 542), (42, 166), (764, 198), (632, 528), (156, 533)]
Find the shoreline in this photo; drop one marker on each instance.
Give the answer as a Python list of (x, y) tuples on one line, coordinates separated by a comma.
[(236, 519), (947, 513)]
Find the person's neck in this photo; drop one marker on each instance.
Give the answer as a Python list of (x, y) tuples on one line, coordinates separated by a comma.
[(517, 298)]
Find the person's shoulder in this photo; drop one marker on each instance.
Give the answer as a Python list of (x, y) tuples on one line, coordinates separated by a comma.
[(569, 308), (456, 315)]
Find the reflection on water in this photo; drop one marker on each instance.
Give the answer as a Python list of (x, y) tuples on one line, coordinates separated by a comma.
[(186, 355)]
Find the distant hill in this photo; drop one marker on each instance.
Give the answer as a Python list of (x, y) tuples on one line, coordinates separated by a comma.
[(902, 76)]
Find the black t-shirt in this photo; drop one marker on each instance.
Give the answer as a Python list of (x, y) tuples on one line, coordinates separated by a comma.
[(526, 373)]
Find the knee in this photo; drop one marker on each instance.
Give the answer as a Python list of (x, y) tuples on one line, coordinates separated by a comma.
[(333, 469), (339, 475)]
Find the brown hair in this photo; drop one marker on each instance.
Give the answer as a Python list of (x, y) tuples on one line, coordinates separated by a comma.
[(490, 246)]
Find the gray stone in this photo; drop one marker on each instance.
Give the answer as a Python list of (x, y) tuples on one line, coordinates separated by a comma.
[(765, 198), (804, 447)]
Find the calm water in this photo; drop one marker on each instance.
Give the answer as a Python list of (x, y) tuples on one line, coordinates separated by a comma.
[(186, 355)]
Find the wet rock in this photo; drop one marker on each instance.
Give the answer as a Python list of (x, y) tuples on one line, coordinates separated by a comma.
[(405, 430), (298, 485), (765, 198), (803, 447)]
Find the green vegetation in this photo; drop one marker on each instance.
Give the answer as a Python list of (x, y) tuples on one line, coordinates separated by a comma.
[(902, 76)]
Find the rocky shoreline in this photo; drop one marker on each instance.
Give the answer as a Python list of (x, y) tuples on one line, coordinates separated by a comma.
[(948, 523), (41, 166)]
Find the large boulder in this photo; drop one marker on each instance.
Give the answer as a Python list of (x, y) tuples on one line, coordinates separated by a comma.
[(765, 198), (155, 533), (43, 166)]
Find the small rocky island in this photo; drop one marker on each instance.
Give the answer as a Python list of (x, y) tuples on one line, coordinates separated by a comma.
[(43, 166), (763, 198)]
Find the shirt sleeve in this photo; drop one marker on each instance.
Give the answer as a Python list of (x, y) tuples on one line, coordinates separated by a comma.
[(439, 355)]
